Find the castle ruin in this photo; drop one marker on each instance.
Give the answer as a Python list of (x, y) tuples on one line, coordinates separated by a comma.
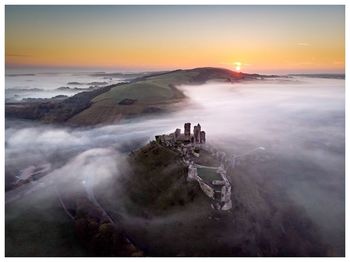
[(198, 136), (212, 179)]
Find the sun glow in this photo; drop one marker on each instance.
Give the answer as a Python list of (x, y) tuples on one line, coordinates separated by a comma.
[(238, 66)]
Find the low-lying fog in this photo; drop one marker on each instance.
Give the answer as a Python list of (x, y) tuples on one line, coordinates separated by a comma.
[(300, 123), (46, 85)]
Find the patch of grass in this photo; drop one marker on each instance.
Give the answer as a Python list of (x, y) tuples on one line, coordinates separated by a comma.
[(141, 91), (208, 175)]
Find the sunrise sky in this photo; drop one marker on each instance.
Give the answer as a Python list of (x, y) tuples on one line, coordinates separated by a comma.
[(261, 39)]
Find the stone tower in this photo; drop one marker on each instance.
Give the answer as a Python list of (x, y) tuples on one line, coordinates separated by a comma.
[(187, 130), (196, 133)]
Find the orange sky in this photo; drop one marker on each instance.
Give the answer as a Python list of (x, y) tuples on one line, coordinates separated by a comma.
[(262, 38)]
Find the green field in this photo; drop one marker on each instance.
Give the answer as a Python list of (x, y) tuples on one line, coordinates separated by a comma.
[(152, 89), (208, 175)]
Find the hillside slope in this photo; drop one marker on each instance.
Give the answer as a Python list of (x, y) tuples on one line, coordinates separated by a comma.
[(170, 216), (144, 95), (150, 94)]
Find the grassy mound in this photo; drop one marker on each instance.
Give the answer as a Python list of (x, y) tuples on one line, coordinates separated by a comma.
[(158, 180)]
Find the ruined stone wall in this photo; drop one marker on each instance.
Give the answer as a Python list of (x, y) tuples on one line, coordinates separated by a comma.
[(225, 200), (192, 173), (206, 189)]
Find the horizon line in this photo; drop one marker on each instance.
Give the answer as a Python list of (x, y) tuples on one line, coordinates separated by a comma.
[(156, 69)]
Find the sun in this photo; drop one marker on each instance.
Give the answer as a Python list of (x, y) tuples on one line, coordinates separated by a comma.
[(238, 66)]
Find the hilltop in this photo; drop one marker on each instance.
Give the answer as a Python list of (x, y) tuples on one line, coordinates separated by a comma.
[(167, 214), (149, 94)]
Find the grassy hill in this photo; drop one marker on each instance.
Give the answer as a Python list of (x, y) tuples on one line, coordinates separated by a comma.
[(144, 95), (151, 94), (161, 181)]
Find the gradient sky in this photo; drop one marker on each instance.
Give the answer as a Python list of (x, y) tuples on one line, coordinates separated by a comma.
[(264, 39)]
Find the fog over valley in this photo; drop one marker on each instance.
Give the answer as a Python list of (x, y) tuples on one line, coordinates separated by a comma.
[(21, 85), (287, 136)]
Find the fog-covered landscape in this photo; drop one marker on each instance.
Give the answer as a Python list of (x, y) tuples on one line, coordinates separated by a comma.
[(299, 122), (178, 130)]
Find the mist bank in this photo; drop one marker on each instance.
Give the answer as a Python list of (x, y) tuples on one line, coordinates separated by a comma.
[(300, 122), (302, 127), (21, 85)]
